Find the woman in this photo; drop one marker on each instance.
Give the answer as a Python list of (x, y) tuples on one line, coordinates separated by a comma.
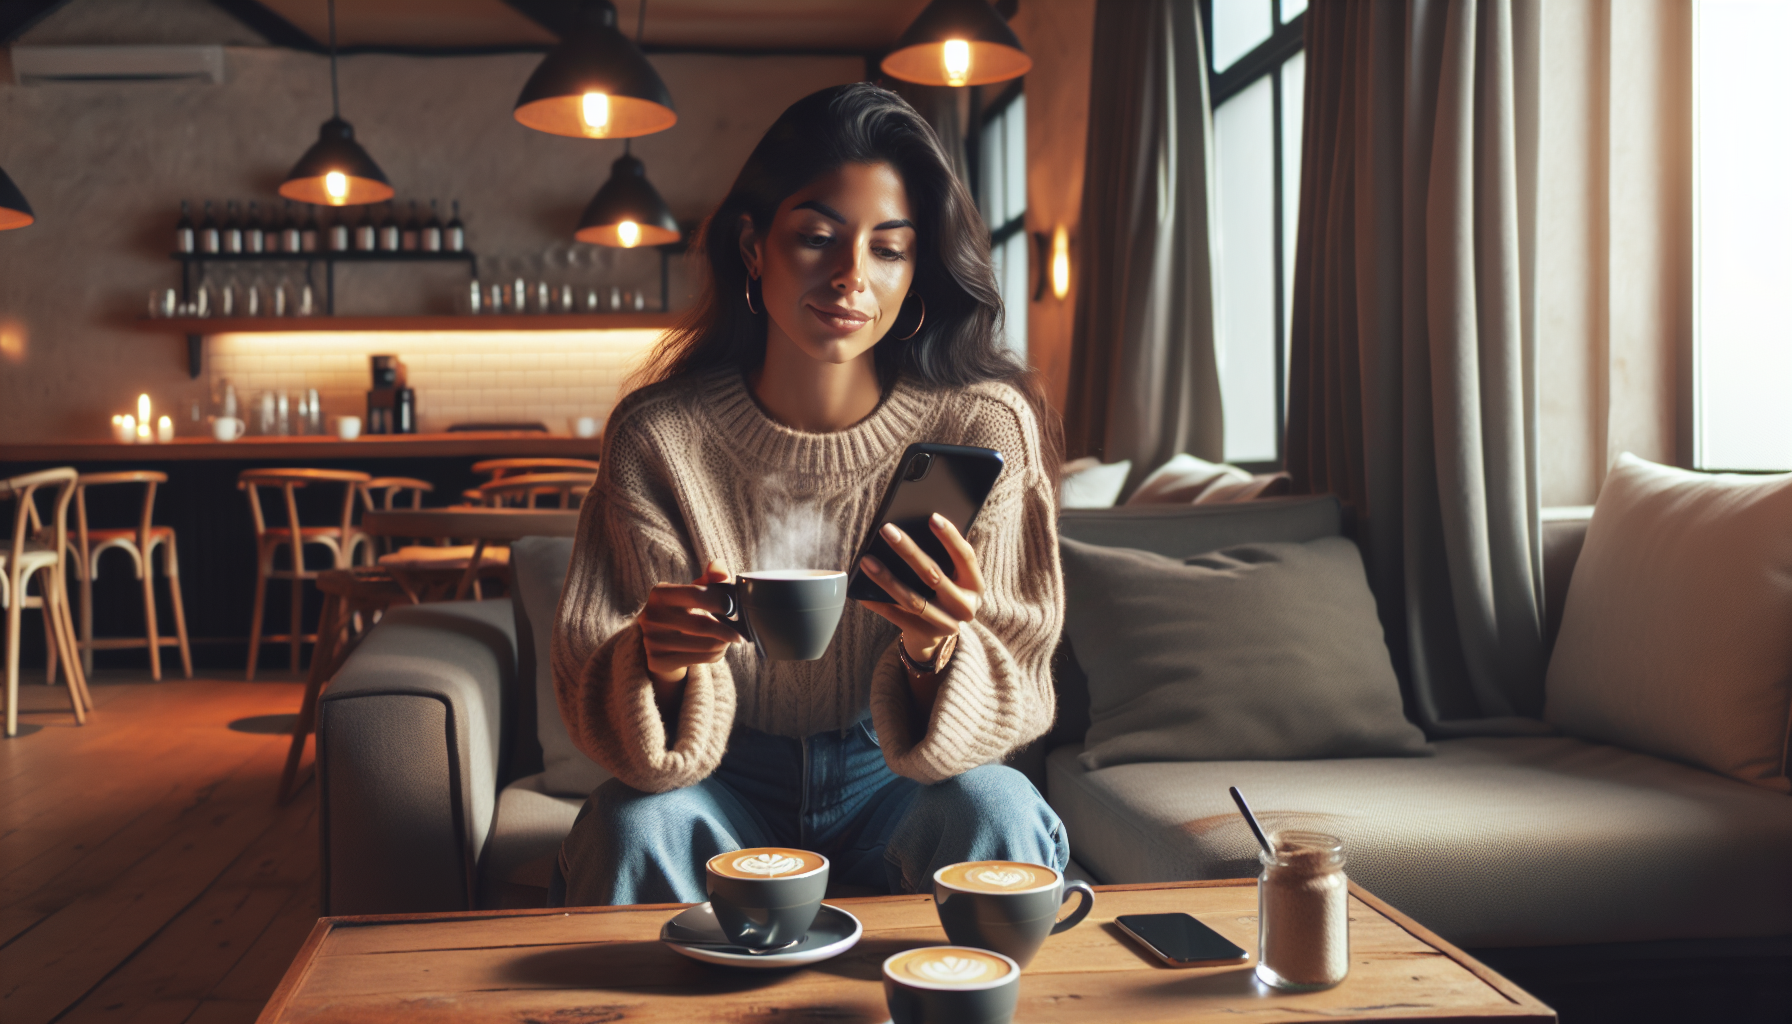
[(851, 311)]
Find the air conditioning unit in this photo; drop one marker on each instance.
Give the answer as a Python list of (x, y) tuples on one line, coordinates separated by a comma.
[(40, 65)]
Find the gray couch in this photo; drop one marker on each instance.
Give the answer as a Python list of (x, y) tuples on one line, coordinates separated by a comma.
[(434, 737)]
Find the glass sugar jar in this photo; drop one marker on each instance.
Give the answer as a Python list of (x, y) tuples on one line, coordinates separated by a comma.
[(1303, 913)]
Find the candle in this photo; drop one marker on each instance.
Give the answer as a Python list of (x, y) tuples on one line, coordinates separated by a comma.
[(164, 430), (127, 427), (120, 432), (143, 411)]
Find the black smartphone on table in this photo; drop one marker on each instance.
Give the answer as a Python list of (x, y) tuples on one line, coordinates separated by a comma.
[(1181, 941), (950, 480)]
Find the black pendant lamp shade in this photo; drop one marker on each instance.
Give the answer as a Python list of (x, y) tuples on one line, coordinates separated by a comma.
[(15, 212), (596, 84), (627, 212), (336, 171), (956, 43)]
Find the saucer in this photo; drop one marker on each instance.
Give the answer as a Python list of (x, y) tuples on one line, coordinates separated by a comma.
[(834, 932)]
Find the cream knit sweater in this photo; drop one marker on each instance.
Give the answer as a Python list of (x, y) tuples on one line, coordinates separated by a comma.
[(694, 470)]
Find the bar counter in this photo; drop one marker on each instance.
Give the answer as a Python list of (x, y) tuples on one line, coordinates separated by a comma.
[(216, 537)]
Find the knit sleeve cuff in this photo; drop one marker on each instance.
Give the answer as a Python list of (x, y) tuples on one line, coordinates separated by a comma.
[(642, 756), (980, 714)]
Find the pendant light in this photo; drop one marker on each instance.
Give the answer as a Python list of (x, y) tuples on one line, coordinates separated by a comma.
[(596, 84), (628, 211), (15, 212), (957, 43), (336, 171)]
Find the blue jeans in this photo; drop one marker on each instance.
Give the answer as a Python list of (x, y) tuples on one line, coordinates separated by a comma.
[(831, 793)]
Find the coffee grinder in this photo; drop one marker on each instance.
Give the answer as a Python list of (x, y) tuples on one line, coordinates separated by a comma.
[(391, 406)]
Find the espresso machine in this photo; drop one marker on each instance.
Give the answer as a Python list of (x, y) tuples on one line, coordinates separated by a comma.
[(391, 406)]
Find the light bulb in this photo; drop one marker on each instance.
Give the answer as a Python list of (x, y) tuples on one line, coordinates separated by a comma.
[(629, 234), (1060, 262), (336, 184), (956, 54), (597, 113), (143, 410)]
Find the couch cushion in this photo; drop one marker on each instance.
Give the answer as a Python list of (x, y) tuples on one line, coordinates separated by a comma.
[(1677, 636), (538, 565), (1257, 651), (1493, 842), (1090, 483), (525, 838)]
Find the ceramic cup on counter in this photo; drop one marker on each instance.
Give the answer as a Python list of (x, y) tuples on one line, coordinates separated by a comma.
[(348, 427), (228, 428), (1006, 906), (951, 985), (766, 896), (583, 426)]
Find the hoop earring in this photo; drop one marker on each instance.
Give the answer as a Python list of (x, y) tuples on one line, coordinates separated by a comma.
[(749, 291), (917, 329)]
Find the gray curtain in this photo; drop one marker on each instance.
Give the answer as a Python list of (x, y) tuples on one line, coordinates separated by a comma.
[(1412, 385), (1143, 382)]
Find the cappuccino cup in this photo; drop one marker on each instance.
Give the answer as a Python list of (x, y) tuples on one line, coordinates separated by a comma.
[(228, 428), (951, 985), (766, 896), (788, 614), (1006, 906)]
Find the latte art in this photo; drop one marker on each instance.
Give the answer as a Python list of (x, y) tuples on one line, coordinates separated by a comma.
[(997, 876), (951, 966), (765, 862)]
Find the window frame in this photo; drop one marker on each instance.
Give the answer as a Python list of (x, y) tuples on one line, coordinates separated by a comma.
[(981, 114), (1286, 39)]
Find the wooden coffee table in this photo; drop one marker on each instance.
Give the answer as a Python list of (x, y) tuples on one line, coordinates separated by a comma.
[(606, 964)]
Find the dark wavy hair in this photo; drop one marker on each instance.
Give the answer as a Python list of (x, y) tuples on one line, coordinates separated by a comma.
[(959, 342)]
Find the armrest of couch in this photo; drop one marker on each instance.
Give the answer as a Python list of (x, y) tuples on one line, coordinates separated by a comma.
[(409, 746)]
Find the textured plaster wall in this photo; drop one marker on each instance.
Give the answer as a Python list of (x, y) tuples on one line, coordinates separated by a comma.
[(105, 166)]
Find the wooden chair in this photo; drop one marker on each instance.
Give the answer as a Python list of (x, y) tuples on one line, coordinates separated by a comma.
[(524, 489), (140, 544), (340, 540), (354, 599), (389, 489), (29, 558), (501, 468)]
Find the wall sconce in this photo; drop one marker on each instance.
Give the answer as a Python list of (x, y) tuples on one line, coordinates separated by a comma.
[(1053, 263)]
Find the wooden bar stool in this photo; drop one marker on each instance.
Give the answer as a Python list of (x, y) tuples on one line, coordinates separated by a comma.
[(341, 541), (37, 552), (353, 601), (139, 543)]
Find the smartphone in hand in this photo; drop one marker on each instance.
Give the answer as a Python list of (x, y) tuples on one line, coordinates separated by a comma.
[(950, 480)]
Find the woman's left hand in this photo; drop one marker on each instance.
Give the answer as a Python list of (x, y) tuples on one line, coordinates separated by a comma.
[(926, 624)]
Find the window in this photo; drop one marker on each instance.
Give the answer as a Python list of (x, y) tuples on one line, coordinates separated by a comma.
[(1742, 336), (1256, 80), (1000, 156)]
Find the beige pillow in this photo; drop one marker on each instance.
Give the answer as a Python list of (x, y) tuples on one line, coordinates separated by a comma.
[(1677, 634)]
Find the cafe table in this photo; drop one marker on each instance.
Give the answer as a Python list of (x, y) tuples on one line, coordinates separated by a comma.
[(482, 526), (589, 964)]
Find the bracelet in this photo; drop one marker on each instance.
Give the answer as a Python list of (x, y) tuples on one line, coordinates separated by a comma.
[(942, 656)]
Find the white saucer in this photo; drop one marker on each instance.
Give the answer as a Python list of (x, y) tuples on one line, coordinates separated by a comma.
[(834, 932)]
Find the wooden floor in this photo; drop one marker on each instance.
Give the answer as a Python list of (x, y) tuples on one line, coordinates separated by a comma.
[(146, 874)]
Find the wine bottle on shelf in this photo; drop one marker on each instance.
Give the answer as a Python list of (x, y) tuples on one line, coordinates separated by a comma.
[(413, 230), (309, 233), (339, 233), (233, 229), (208, 231), (454, 239), (255, 236), (432, 230), (391, 235), (292, 237), (185, 240), (366, 235)]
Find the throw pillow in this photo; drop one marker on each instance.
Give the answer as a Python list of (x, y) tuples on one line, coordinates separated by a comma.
[(538, 566), (1676, 638), (1259, 652), (1090, 483)]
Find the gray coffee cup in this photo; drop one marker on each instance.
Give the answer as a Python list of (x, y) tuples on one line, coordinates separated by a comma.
[(788, 614), (762, 913), (1014, 924), (912, 1000)]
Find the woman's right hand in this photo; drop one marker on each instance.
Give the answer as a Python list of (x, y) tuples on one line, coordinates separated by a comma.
[(682, 626)]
